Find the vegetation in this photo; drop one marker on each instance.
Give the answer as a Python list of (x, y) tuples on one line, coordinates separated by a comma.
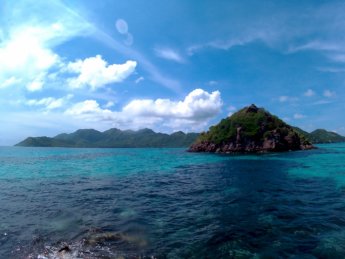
[(321, 136), (255, 123), (113, 138), (251, 129)]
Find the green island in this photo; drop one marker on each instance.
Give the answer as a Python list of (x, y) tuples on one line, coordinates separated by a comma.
[(251, 129), (255, 130), (112, 138)]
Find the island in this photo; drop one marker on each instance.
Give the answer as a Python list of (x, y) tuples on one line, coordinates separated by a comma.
[(113, 138), (321, 136), (251, 130)]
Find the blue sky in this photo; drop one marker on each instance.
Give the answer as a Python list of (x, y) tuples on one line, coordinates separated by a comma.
[(168, 65)]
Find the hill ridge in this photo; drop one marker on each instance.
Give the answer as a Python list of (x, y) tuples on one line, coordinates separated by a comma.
[(112, 138)]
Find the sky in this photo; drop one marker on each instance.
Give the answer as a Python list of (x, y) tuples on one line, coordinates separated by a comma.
[(168, 65)]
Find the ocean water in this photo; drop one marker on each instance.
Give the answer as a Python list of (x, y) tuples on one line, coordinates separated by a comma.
[(167, 203)]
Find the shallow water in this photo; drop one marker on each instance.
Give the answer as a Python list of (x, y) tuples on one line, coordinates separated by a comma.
[(166, 203)]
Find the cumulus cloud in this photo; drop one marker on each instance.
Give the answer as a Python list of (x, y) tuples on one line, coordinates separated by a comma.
[(25, 54), (95, 72), (197, 105), (49, 103), (27, 45), (169, 54), (90, 110), (309, 93), (194, 111)]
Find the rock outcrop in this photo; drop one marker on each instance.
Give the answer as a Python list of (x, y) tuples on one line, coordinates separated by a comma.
[(250, 130)]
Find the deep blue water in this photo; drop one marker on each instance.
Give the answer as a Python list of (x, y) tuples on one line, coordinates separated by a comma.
[(167, 203)]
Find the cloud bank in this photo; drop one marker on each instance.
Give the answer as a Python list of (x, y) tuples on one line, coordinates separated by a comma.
[(194, 111)]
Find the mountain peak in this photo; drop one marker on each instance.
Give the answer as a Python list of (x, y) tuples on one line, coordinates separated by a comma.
[(252, 108)]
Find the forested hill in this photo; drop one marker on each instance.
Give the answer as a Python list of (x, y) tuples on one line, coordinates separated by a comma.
[(112, 138), (320, 136)]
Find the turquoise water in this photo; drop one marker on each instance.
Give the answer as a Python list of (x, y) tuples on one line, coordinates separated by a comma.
[(167, 203)]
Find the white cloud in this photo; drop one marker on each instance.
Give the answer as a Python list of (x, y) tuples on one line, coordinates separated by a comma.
[(315, 45), (197, 105), (240, 38), (9, 82), (309, 93), (322, 102), (50, 103), (25, 54), (138, 80), (90, 110), (328, 93), (109, 104), (26, 45), (219, 44), (95, 72), (36, 84), (169, 54), (285, 98), (197, 108), (298, 116), (153, 71)]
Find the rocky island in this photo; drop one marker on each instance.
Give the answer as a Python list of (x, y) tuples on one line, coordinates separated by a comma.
[(250, 130)]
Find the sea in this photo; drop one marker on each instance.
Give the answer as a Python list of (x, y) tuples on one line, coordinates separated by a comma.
[(168, 203)]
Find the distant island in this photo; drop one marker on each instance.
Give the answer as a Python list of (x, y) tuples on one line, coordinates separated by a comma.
[(321, 136), (255, 130), (251, 129), (112, 138)]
